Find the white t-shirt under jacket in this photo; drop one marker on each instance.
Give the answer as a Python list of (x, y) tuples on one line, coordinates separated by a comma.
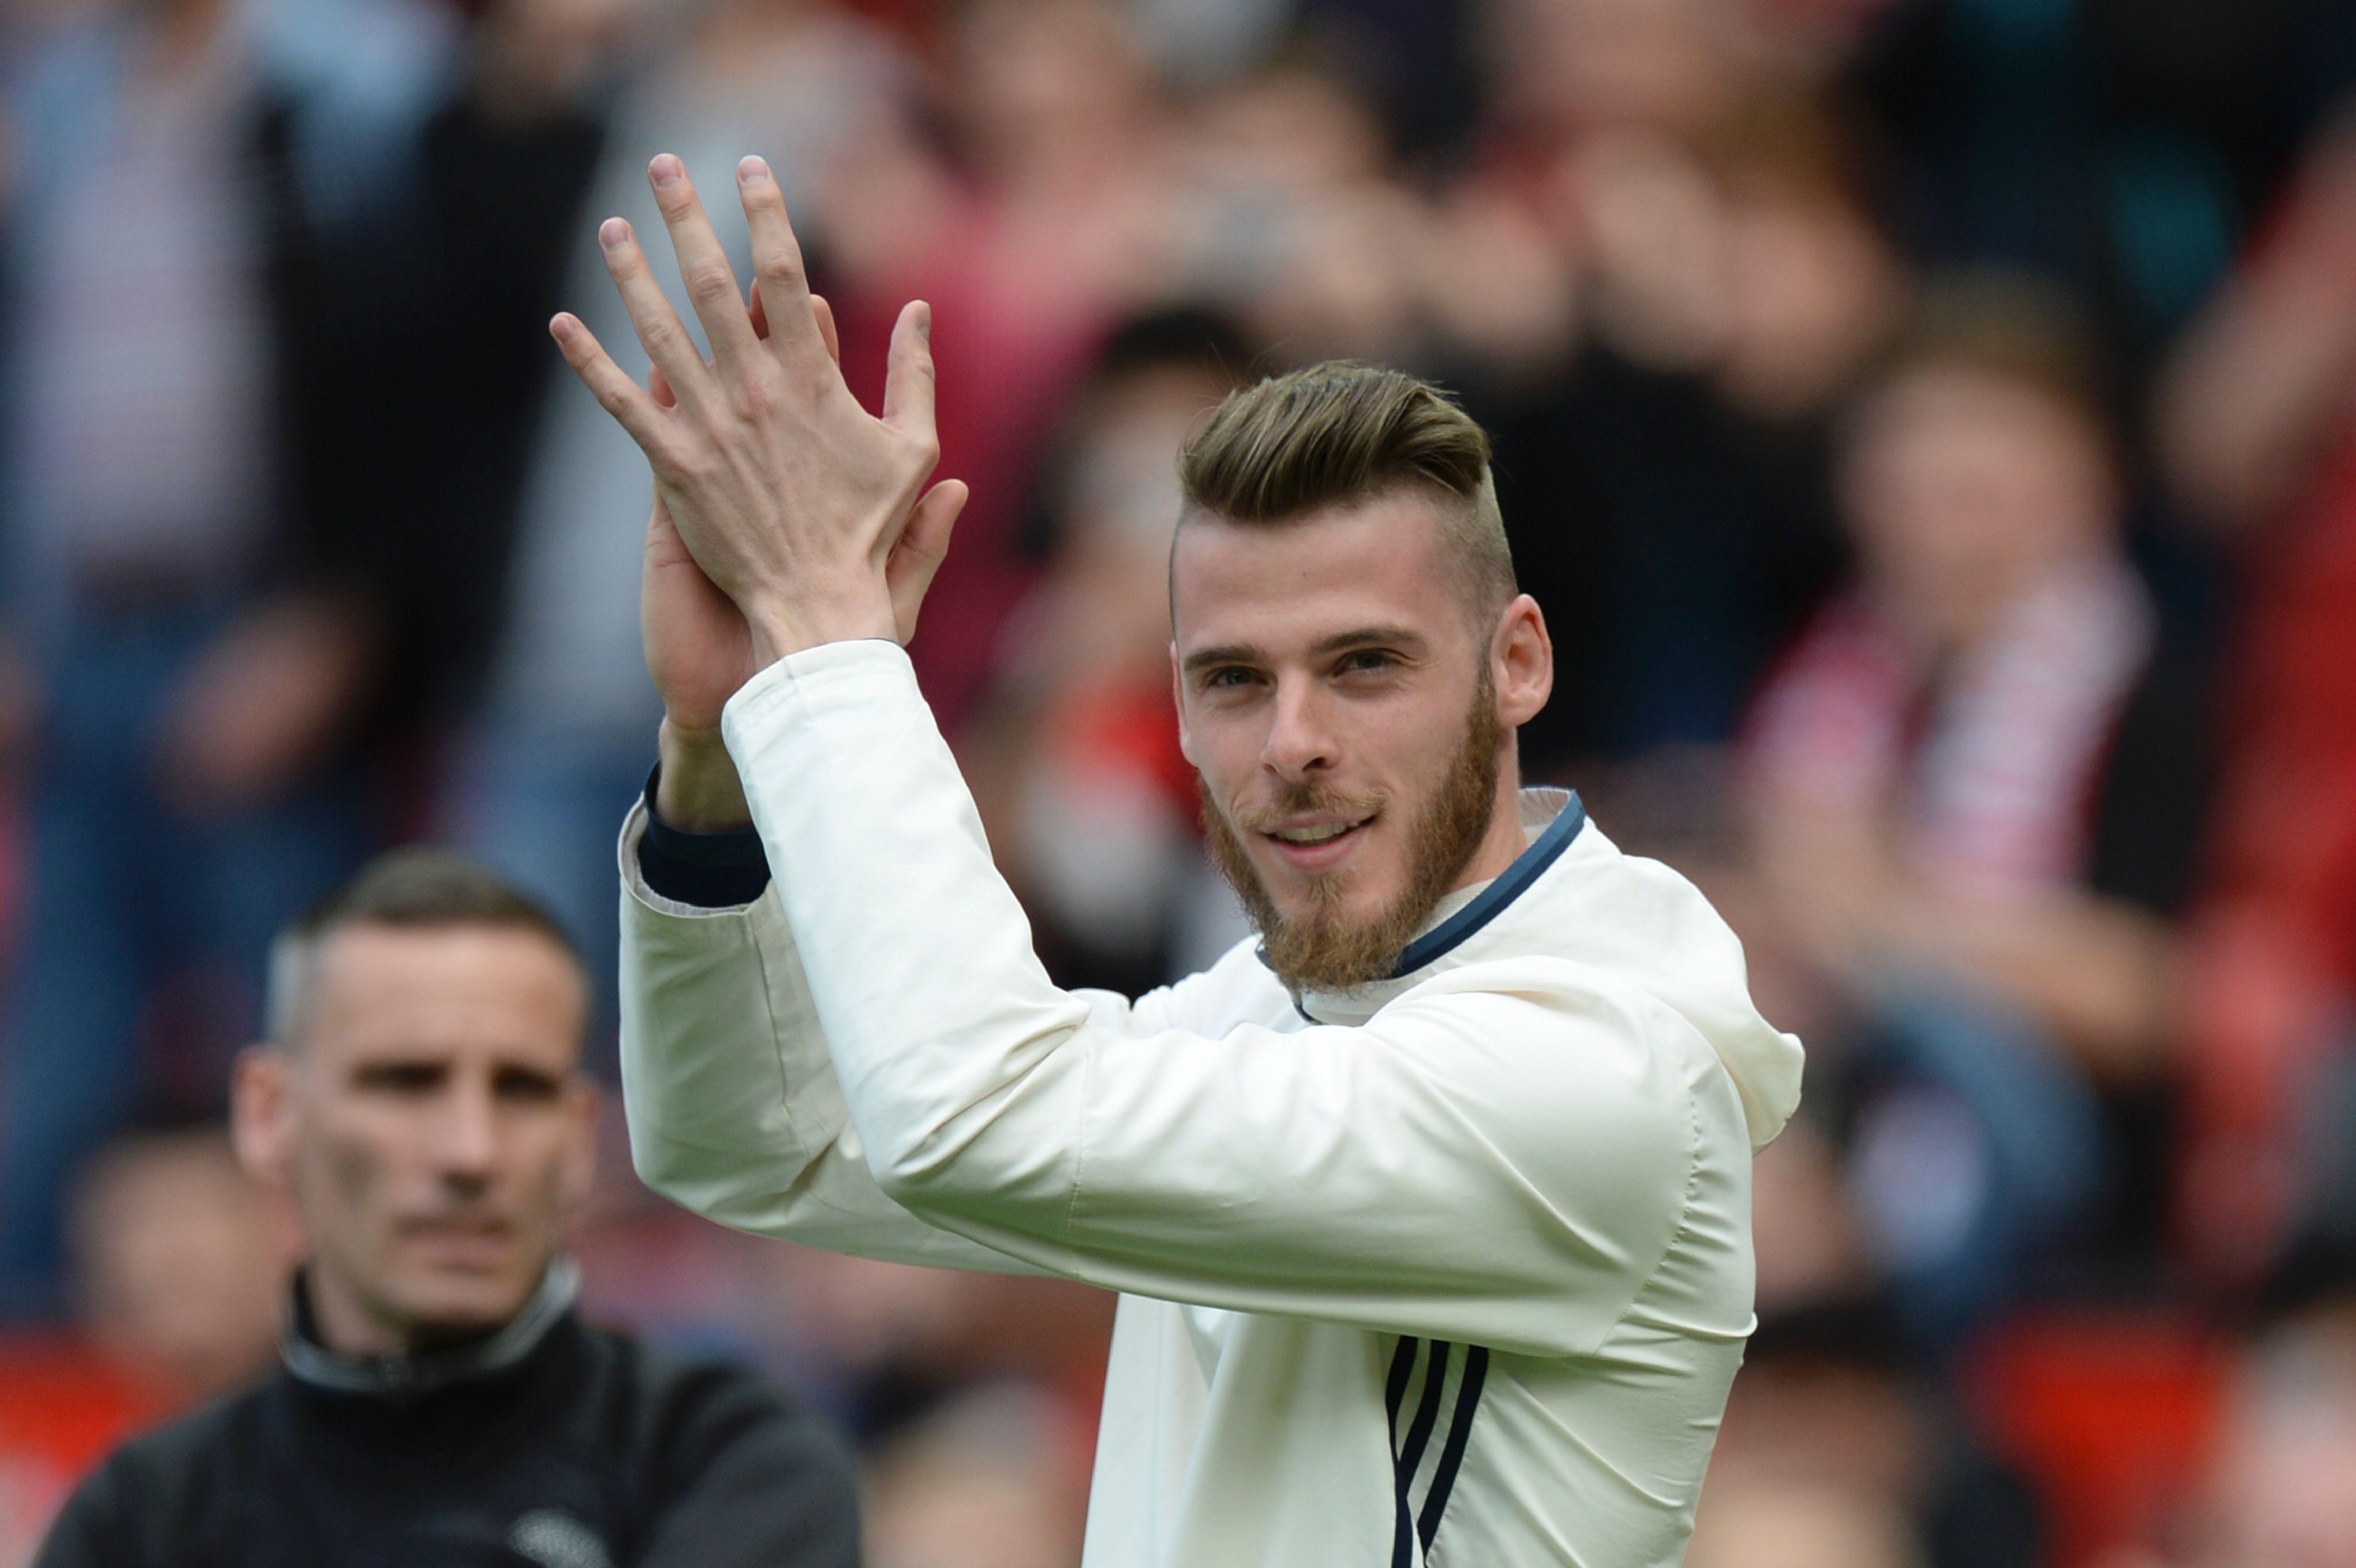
[(1453, 1271)]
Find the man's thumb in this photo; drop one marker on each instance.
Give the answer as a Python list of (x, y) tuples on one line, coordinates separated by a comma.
[(919, 551)]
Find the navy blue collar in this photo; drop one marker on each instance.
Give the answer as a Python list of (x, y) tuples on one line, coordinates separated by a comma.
[(1491, 901)]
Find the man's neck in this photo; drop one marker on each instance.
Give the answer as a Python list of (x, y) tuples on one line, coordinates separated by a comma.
[(415, 1363), (343, 1321)]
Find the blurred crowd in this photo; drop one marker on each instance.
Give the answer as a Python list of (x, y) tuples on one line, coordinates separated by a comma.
[(1928, 425)]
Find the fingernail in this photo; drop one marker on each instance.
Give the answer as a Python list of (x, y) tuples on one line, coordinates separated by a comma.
[(924, 321), (562, 328), (751, 169), (613, 234), (666, 170)]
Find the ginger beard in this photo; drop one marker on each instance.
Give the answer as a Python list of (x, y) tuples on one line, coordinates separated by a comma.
[(1320, 948)]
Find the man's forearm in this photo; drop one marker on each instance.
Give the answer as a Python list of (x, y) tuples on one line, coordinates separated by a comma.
[(699, 789)]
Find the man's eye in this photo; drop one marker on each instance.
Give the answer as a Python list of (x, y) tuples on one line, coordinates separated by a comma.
[(1366, 660), (533, 1088), (1233, 674), (406, 1078)]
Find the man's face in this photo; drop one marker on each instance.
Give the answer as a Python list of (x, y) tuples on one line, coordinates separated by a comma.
[(430, 1122), (1963, 486), (1347, 719)]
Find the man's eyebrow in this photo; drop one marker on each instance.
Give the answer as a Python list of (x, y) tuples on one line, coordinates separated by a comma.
[(1339, 641), (1369, 636), (1232, 652)]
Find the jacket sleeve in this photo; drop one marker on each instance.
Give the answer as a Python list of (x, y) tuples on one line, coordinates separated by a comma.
[(732, 1105), (1505, 1160)]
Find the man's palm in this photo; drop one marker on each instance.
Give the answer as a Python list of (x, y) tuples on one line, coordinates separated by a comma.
[(699, 649)]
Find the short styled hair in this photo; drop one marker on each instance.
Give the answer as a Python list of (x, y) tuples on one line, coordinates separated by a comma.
[(418, 888), (2011, 326), (1338, 435)]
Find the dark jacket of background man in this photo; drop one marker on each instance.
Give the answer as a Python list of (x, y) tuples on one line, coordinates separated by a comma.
[(551, 1444)]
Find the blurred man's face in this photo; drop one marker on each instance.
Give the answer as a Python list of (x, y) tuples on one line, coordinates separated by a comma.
[(181, 1263), (1964, 487), (1351, 725), (432, 1124)]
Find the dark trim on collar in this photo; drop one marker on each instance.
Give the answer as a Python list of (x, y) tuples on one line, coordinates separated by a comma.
[(394, 1377), (1491, 901)]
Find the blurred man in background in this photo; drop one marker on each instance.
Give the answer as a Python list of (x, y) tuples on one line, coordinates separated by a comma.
[(1977, 788), (189, 637), (421, 1103)]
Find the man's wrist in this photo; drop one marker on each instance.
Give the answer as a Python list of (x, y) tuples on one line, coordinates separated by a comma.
[(726, 868), (782, 627), (699, 790)]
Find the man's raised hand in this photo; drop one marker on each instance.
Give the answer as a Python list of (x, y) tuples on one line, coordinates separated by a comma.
[(809, 514)]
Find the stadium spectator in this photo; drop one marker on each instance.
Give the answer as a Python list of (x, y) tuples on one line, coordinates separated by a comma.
[(1088, 801), (1670, 488), (1976, 783), (2259, 426), (421, 1103), (971, 1485), (1835, 1443), (557, 736), (193, 638), (180, 1260), (2279, 1488), (2118, 148), (1291, 215), (453, 388), (1051, 225)]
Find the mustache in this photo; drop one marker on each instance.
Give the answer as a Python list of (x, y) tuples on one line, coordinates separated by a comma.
[(1295, 799), (456, 1216)]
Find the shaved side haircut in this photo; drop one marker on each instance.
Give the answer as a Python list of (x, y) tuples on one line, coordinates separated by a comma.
[(1339, 435), (416, 889)]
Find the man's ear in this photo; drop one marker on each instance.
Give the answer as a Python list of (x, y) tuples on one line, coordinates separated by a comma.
[(1178, 702), (261, 1114), (1522, 662)]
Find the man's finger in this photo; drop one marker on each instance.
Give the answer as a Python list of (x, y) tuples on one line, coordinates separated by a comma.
[(776, 262), (908, 375), (826, 328), (659, 386), (629, 403), (819, 308), (664, 336), (922, 546), (712, 287)]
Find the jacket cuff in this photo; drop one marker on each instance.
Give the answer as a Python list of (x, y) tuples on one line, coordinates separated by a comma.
[(706, 870)]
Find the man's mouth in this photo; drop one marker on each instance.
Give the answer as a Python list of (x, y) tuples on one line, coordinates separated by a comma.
[(469, 1237), (1316, 846), (1320, 833)]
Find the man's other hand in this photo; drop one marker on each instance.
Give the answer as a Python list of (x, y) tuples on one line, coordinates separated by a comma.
[(807, 514)]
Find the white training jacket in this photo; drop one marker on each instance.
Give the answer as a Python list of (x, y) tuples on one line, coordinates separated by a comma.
[(1454, 1271)]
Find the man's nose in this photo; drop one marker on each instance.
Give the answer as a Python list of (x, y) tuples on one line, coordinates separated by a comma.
[(1299, 737), (466, 1145)]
